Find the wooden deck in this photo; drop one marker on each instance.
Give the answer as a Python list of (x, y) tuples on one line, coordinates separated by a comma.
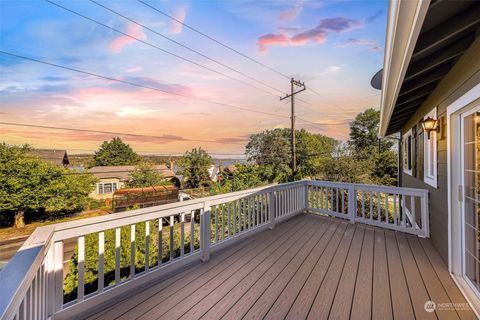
[(309, 267)]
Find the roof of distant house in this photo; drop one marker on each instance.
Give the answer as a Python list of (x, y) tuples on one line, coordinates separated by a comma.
[(58, 157), (123, 172)]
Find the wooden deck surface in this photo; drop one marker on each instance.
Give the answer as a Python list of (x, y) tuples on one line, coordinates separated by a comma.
[(309, 267)]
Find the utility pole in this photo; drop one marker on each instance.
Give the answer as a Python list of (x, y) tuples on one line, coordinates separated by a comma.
[(293, 83)]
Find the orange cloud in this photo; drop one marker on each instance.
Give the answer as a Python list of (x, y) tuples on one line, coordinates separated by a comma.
[(271, 39), (119, 43)]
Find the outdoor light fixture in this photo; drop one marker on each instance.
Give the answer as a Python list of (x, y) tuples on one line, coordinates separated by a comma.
[(429, 125)]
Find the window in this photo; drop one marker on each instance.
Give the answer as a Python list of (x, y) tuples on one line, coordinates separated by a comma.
[(105, 188), (407, 152), (430, 154)]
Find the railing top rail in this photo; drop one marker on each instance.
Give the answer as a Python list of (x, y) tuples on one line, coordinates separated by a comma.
[(371, 187)]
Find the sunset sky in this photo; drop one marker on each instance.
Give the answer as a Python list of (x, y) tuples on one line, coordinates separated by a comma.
[(334, 46)]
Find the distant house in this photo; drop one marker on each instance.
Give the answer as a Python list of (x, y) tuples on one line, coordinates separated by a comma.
[(113, 178), (58, 157)]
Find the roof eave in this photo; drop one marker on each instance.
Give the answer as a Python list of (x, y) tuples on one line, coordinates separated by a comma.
[(405, 20)]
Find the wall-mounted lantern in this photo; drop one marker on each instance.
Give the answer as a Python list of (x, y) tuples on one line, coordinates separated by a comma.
[(429, 125)]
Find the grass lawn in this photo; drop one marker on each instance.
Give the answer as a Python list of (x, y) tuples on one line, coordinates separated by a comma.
[(12, 232)]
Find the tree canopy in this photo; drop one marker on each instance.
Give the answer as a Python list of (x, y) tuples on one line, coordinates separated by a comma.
[(115, 153), (366, 158), (364, 133), (28, 183), (145, 174), (194, 167), (271, 150), (244, 176)]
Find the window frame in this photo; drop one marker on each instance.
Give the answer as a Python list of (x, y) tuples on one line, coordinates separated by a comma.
[(405, 161), (429, 152), (101, 185)]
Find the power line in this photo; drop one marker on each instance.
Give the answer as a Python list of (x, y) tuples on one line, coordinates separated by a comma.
[(159, 48), (111, 132), (234, 50), (141, 85), (187, 47), (322, 124), (215, 40)]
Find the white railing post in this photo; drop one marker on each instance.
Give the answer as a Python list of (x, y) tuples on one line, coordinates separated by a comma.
[(271, 209), (306, 197), (205, 232), (58, 265), (352, 203), (50, 297), (425, 214)]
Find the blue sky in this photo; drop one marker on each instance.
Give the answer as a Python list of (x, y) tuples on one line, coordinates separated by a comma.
[(334, 46)]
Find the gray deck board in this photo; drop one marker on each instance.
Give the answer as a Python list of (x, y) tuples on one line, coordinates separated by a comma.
[(307, 267)]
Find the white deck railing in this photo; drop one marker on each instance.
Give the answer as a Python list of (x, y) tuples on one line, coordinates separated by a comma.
[(401, 209), (127, 250)]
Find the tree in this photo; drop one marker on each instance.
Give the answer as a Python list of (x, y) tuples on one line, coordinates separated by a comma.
[(30, 184), (194, 167), (115, 153), (344, 167), (242, 177), (271, 150), (364, 133), (312, 151), (145, 174), (374, 152)]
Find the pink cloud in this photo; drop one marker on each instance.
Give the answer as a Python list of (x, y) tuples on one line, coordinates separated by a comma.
[(180, 14), (271, 39), (371, 44), (134, 69), (291, 13), (119, 43), (319, 34)]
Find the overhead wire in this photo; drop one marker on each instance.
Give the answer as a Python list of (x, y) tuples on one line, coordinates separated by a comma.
[(157, 47), (140, 85), (225, 45), (214, 40), (186, 47)]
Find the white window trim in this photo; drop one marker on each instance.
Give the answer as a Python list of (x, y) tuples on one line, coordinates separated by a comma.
[(103, 184), (430, 179), (404, 154)]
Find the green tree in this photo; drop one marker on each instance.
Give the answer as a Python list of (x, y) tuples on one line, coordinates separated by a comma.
[(373, 152), (194, 167), (271, 150), (364, 133), (145, 174), (344, 167), (30, 184), (385, 168), (115, 153), (242, 177)]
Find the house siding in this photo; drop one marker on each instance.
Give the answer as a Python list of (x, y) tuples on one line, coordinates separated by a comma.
[(461, 78), (96, 196)]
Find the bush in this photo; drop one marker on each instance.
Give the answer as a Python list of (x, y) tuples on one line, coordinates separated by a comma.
[(91, 254)]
